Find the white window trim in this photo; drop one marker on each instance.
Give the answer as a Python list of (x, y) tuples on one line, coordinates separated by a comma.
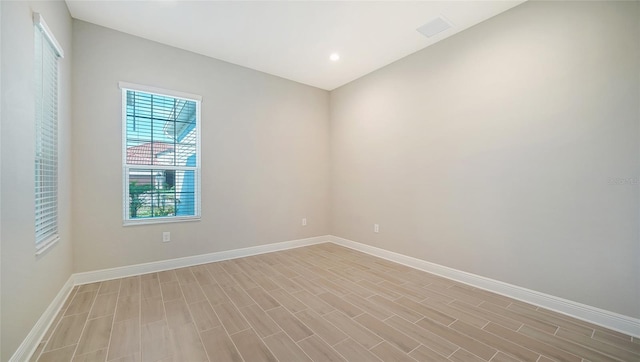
[(124, 86), (160, 91), (38, 21), (45, 245)]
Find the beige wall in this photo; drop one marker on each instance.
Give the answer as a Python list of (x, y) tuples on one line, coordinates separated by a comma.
[(492, 152), (264, 152), (29, 283)]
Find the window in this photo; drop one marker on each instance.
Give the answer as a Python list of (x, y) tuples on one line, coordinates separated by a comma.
[(47, 55), (161, 155)]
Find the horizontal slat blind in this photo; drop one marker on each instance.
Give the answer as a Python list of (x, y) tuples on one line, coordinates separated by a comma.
[(46, 122)]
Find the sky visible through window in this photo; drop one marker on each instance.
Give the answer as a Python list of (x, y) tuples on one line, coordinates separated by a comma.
[(148, 115)]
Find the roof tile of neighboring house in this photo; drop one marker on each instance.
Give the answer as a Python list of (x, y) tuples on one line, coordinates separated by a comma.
[(142, 154)]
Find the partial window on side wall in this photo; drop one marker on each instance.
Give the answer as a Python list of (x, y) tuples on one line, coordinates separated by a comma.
[(48, 53)]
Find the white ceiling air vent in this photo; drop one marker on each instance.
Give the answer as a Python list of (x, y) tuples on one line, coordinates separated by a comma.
[(434, 26)]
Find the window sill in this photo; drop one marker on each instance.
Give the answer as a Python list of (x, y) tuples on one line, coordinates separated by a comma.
[(160, 220), (42, 247)]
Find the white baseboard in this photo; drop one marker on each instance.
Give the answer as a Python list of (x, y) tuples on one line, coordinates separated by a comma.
[(156, 266), (601, 317), (30, 343)]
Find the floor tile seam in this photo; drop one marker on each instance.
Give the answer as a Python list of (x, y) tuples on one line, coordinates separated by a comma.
[(557, 325), (509, 341), (57, 323), (305, 352), (258, 336), (485, 311), (541, 342), (319, 336), (418, 312), (272, 308), (606, 331), (408, 293), (524, 321), (230, 301), (464, 334), (292, 296), (111, 335), (230, 339), (86, 322), (466, 350), (139, 316), (113, 323), (460, 310), (100, 316), (426, 330), (267, 345), (595, 338), (268, 316), (457, 349), (333, 345), (427, 347), (193, 321), (164, 316), (596, 350), (391, 345), (582, 323), (383, 338), (346, 301), (142, 296), (69, 315), (106, 347), (495, 354), (448, 325), (38, 351), (381, 306), (57, 349), (267, 336), (168, 281), (415, 348), (224, 328), (389, 317), (585, 347), (553, 314), (374, 346)]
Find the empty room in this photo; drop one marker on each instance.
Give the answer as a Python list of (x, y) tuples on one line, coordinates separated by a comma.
[(319, 181)]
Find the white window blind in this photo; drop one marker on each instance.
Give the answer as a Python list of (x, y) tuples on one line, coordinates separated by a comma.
[(47, 54), (161, 155)]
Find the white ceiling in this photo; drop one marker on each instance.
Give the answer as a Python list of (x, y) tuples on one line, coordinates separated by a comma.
[(292, 40)]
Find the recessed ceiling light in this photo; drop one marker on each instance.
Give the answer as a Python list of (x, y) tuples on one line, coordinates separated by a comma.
[(334, 57)]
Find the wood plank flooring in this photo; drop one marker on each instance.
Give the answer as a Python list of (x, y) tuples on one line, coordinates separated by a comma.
[(316, 303)]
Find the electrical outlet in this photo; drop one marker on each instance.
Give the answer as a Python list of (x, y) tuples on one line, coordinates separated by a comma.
[(304, 221), (166, 237), (376, 228)]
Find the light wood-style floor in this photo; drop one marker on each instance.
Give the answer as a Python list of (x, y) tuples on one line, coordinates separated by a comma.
[(317, 303)]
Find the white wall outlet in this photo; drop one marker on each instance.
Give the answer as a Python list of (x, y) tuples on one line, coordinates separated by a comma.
[(304, 221), (376, 228), (166, 237)]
